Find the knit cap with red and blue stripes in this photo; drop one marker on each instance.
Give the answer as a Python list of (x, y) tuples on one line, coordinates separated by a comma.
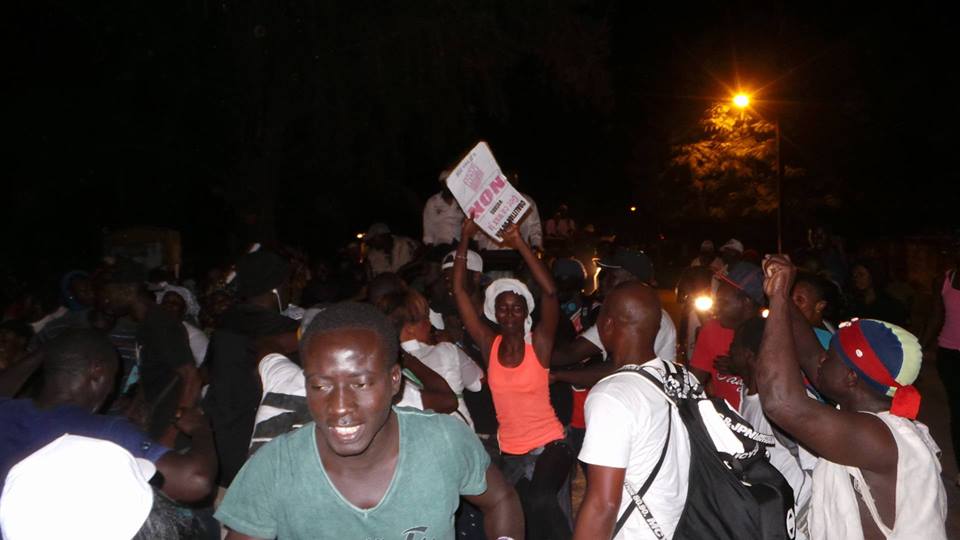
[(886, 357)]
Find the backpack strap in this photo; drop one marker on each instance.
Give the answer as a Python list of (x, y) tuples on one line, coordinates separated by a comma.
[(636, 497)]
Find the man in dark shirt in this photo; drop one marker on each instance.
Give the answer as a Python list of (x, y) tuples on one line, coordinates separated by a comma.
[(167, 373), (79, 371), (235, 348)]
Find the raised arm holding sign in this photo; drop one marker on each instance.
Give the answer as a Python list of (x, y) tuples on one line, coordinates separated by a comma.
[(484, 193)]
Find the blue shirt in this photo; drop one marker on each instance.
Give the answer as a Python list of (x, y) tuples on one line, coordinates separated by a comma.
[(26, 429)]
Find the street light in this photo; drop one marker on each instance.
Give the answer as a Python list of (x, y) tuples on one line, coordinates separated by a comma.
[(742, 101)]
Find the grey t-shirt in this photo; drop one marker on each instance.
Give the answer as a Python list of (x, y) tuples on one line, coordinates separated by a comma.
[(283, 491)]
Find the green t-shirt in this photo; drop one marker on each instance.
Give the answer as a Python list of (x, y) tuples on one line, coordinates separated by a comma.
[(283, 491)]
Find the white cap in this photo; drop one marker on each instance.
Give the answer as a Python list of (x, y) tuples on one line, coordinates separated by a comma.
[(474, 261), (733, 244), (77, 487)]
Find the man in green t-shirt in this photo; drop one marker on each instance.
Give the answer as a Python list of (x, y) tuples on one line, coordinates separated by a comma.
[(363, 469)]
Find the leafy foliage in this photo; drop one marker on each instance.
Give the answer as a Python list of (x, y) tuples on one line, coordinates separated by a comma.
[(730, 169)]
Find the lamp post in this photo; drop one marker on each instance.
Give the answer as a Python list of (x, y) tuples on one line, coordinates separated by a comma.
[(742, 101)]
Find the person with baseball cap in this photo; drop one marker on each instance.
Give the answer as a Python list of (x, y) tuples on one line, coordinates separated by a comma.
[(263, 291), (878, 475), (739, 298), (730, 254)]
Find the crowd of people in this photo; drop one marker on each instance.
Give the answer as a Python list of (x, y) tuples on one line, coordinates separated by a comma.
[(456, 386)]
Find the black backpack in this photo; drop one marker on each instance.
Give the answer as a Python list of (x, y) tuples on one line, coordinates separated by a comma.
[(735, 497)]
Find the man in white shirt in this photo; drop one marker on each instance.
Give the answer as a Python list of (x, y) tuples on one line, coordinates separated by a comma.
[(627, 426), (387, 252), (442, 217)]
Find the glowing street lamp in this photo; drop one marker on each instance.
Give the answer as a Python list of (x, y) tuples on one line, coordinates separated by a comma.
[(742, 101)]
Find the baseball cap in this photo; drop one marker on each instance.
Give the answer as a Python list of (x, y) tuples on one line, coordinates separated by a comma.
[(748, 279), (568, 268), (474, 261), (733, 244), (77, 487), (635, 262), (259, 272), (377, 229)]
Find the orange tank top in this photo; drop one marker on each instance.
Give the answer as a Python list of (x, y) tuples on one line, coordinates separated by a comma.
[(521, 397)]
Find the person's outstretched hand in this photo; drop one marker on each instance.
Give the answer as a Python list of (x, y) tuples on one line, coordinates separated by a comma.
[(779, 274), (511, 236), (469, 229)]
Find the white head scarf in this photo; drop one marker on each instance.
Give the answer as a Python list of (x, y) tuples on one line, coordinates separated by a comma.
[(193, 307), (509, 285)]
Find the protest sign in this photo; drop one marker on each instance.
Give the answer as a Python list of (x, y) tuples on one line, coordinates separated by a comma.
[(484, 193)]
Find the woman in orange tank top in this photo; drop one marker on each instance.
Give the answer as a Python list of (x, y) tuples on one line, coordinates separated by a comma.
[(536, 457)]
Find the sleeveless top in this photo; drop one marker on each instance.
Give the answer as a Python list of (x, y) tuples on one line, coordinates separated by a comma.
[(521, 397), (921, 502), (950, 333)]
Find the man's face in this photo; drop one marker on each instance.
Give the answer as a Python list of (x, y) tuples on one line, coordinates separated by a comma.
[(471, 282), (729, 256), (861, 278), (832, 375), (103, 387), (729, 306), (819, 238), (112, 299), (610, 278), (805, 297), (511, 312), (12, 347), (350, 385), (174, 304), (82, 290)]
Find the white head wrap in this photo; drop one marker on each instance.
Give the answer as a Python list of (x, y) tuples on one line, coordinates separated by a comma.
[(515, 286), (193, 307)]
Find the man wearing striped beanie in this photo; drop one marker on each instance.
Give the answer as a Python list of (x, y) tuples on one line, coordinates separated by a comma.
[(879, 474)]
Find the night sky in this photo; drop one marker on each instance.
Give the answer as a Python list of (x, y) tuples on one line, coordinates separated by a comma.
[(306, 121)]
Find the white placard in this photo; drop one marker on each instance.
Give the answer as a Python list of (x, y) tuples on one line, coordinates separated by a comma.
[(484, 193)]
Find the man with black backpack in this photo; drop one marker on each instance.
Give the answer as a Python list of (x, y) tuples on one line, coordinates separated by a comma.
[(627, 422), (663, 460)]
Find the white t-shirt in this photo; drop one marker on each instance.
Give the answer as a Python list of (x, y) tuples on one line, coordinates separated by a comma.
[(626, 429), (283, 407), (441, 221), (665, 345), (451, 363), (198, 342), (402, 253)]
